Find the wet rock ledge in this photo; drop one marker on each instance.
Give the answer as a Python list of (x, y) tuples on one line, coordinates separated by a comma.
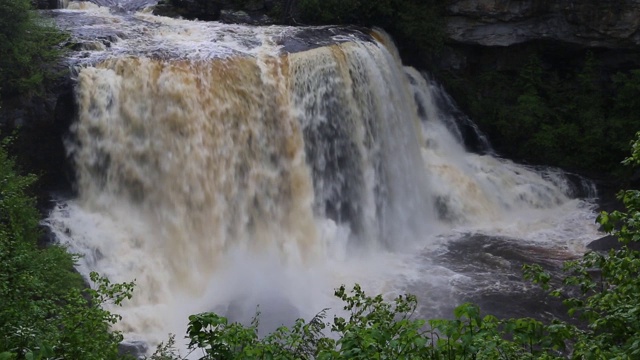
[(255, 12)]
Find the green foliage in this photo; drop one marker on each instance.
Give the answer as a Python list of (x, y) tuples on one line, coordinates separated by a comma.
[(216, 338), (578, 119), (28, 47), (46, 312), (416, 22), (600, 290), (376, 329)]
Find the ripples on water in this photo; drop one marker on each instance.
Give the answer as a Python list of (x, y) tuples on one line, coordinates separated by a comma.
[(225, 166)]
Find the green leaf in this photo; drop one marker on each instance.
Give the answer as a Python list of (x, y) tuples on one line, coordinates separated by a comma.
[(7, 356)]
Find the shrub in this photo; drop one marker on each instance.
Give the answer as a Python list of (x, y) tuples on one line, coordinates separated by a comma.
[(600, 290), (46, 311), (28, 44), (577, 119)]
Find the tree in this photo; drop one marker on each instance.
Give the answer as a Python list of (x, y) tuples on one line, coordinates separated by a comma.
[(46, 310), (29, 45)]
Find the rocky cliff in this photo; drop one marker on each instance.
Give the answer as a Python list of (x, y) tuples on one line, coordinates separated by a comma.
[(500, 54), (230, 11), (500, 34), (484, 39), (477, 24), (592, 23), (589, 23)]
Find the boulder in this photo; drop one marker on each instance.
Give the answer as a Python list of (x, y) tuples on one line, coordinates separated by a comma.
[(606, 243), (243, 17)]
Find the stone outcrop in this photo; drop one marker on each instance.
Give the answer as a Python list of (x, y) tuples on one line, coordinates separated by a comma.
[(38, 124), (591, 23), (585, 23), (588, 23), (46, 4), (502, 34), (230, 11)]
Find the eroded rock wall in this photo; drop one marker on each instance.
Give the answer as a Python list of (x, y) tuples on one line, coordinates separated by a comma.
[(602, 23)]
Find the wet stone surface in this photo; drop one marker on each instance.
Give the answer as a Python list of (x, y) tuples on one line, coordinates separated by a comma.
[(99, 33), (490, 275)]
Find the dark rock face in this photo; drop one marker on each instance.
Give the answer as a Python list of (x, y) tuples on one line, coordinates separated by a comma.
[(503, 34), (611, 24), (500, 38), (246, 12), (602, 23), (40, 123), (46, 4), (609, 242), (189, 9)]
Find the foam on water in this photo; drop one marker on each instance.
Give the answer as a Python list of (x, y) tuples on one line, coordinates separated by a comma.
[(221, 172), (141, 34)]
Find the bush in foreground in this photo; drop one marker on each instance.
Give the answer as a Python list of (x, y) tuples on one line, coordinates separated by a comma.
[(46, 312), (601, 290)]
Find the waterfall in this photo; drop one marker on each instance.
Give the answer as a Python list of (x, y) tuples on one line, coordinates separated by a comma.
[(226, 166)]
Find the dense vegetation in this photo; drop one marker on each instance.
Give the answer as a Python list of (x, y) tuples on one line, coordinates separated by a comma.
[(580, 118), (46, 312), (565, 110), (28, 45), (415, 22), (600, 290)]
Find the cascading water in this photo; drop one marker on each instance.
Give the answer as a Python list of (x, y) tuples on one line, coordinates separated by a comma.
[(226, 166)]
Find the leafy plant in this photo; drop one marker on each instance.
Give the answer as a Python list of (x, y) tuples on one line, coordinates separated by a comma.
[(29, 48), (602, 288), (46, 311), (599, 290), (576, 118)]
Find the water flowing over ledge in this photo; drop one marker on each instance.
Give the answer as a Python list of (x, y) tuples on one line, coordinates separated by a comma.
[(225, 166), (101, 33)]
